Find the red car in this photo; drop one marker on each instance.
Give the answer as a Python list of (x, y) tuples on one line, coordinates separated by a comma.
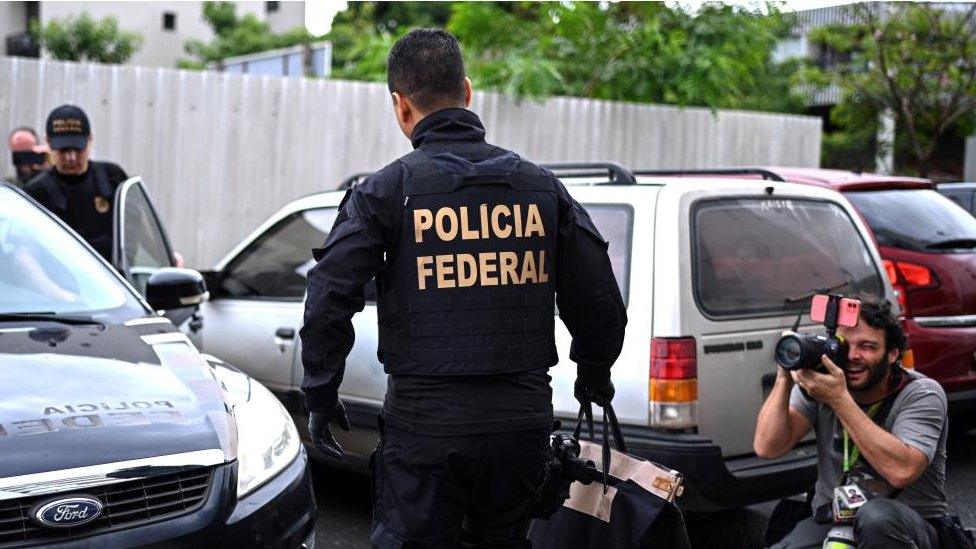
[(928, 244)]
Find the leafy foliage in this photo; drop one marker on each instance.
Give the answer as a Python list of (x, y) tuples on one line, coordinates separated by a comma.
[(915, 61), (719, 57), (236, 36), (82, 38), (363, 34)]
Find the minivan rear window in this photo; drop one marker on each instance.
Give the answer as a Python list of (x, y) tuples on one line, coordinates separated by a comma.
[(615, 223), (751, 254), (916, 219)]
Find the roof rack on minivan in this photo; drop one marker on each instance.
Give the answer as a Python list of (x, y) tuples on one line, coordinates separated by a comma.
[(766, 174), (615, 173)]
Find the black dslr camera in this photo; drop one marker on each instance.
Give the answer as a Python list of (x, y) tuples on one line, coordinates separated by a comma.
[(795, 351)]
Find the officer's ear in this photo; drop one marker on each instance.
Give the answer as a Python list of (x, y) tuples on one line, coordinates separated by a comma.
[(405, 112), (468, 92)]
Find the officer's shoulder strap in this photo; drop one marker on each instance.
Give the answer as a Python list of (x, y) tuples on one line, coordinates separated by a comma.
[(102, 183), (419, 164), (528, 176), (55, 195)]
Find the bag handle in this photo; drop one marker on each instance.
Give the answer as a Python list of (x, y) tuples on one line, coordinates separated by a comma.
[(610, 424)]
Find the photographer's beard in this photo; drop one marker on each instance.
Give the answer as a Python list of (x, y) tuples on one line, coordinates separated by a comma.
[(863, 378)]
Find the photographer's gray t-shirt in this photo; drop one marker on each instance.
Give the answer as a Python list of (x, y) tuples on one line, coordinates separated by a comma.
[(917, 417)]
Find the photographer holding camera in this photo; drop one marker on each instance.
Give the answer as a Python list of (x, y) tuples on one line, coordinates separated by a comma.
[(881, 430)]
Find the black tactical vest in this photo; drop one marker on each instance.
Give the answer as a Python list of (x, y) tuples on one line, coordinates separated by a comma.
[(56, 196), (469, 286)]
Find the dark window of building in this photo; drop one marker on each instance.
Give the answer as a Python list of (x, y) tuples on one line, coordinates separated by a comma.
[(169, 21), (271, 7), (33, 12)]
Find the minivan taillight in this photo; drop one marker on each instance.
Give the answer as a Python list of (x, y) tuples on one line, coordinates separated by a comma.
[(905, 276), (673, 383)]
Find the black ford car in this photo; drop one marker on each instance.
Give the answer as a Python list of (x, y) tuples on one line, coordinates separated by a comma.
[(114, 430)]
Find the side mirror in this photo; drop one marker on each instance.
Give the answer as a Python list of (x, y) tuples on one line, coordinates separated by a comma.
[(172, 288)]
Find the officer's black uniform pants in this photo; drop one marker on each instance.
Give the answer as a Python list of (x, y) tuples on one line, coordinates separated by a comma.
[(450, 492)]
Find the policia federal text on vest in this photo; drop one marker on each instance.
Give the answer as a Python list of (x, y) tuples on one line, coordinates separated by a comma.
[(470, 296)]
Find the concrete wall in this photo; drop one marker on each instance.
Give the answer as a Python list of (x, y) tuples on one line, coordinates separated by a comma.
[(289, 15), (13, 20), (221, 152)]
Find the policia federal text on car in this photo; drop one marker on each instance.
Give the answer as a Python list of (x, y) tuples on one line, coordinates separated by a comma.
[(472, 248)]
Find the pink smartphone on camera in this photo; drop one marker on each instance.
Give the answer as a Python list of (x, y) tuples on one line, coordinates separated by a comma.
[(848, 310)]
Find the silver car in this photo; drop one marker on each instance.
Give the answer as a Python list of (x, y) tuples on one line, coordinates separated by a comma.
[(712, 271)]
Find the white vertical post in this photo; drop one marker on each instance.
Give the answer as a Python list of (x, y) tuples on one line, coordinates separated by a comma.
[(884, 160), (969, 168)]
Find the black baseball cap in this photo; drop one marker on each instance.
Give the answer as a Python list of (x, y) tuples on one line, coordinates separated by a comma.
[(68, 128)]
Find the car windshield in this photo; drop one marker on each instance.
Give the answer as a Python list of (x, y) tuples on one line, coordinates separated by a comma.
[(45, 269), (752, 255), (918, 219)]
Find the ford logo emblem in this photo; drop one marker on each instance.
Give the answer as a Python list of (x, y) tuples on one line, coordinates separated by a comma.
[(67, 512)]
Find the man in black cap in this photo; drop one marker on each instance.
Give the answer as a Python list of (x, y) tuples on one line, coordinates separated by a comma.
[(78, 190), (473, 248)]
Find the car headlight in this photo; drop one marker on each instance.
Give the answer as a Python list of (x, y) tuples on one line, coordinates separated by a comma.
[(267, 440)]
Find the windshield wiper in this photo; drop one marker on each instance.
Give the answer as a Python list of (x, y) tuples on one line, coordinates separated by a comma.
[(49, 316), (808, 295), (967, 243)]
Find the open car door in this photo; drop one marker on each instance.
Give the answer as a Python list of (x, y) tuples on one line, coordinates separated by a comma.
[(140, 248)]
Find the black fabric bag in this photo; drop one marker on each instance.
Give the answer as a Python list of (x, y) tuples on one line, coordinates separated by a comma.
[(634, 509), (951, 533)]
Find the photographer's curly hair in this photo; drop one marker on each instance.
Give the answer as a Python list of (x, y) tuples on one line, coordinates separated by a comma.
[(876, 311)]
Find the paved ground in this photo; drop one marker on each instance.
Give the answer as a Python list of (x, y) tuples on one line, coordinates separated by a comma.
[(344, 506)]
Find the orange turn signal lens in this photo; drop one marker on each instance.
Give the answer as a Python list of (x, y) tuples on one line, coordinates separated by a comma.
[(673, 390), (908, 359)]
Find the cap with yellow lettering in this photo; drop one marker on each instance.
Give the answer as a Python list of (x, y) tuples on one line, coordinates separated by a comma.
[(68, 128)]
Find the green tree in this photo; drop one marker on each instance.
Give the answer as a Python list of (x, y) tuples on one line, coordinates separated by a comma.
[(363, 34), (82, 38), (914, 61), (236, 36), (719, 57)]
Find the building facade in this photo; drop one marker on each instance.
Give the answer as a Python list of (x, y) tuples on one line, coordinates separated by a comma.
[(164, 26)]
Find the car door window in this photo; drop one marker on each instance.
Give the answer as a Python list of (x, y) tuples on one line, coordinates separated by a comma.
[(143, 245), (963, 197), (615, 223), (275, 265), (920, 220)]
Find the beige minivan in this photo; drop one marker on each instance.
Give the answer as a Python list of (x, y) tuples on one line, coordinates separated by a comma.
[(712, 271)]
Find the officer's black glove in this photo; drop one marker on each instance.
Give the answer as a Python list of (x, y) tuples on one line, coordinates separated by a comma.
[(320, 432), (597, 391)]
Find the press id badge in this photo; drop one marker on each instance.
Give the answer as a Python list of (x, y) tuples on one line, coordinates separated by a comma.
[(847, 499)]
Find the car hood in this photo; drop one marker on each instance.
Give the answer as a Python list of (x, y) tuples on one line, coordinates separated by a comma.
[(74, 396)]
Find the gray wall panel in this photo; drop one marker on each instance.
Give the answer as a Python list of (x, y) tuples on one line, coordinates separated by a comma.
[(221, 152)]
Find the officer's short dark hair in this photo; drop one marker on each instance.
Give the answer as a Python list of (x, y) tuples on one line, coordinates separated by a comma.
[(876, 311), (426, 66)]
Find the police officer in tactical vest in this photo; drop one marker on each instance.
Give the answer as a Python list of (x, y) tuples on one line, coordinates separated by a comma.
[(78, 190), (472, 247)]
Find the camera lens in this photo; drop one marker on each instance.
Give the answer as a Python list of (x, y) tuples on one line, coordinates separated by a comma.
[(789, 352)]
